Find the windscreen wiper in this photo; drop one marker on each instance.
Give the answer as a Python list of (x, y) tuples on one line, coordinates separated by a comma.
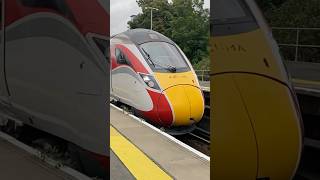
[(171, 68), (149, 57), (168, 67)]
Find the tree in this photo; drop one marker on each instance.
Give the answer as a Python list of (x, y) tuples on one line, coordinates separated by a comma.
[(266, 5), (186, 22), (296, 13)]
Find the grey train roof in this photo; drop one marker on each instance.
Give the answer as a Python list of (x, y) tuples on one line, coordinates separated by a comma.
[(140, 36)]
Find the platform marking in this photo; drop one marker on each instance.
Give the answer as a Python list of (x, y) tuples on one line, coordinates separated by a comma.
[(66, 169), (306, 82), (206, 89), (173, 139), (140, 166)]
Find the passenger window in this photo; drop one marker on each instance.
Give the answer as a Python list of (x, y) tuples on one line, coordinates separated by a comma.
[(121, 57), (57, 5)]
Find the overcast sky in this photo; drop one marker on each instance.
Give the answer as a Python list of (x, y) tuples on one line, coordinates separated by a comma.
[(121, 10)]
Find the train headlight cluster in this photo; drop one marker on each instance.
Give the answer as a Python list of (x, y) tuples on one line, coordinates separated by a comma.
[(150, 81)]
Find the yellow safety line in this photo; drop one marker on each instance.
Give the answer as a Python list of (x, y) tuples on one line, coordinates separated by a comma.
[(140, 166), (306, 82)]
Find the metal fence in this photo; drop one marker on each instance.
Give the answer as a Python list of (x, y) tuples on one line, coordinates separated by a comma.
[(298, 44), (203, 75)]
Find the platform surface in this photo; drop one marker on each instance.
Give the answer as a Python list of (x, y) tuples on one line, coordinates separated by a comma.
[(17, 164), (205, 85), (308, 87), (146, 154)]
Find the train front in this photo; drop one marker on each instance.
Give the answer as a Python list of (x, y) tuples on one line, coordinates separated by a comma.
[(179, 100), (256, 127)]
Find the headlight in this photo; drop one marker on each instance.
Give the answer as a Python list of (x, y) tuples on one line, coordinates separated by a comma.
[(150, 81)]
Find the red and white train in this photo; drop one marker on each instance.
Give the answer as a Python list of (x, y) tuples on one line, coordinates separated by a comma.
[(54, 73), (151, 74)]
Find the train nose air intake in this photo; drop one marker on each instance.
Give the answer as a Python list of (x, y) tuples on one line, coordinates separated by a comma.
[(186, 103)]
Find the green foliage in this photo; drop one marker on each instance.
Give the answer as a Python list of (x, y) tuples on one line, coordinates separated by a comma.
[(204, 64), (270, 4), (186, 22), (295, 13)]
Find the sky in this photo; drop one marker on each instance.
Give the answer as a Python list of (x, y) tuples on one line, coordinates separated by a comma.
[(121, 10)]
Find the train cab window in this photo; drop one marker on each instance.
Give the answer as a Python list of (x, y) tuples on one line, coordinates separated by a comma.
[(121, 57), (230, 11), (231, 17), (164, 57)]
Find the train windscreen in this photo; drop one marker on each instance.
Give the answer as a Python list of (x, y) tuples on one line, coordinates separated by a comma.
[(163, 57), (228, 10), (231, 17)]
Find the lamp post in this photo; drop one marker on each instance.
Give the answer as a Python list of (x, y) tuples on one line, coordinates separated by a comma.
[(151, 8)]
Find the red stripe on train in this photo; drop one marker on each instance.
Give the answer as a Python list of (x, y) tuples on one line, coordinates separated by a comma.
[(136, 64), (161, 113), (83, 18)]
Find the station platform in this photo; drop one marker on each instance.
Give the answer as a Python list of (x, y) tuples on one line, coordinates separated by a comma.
[(18, 161), (205, 85), (140, 151), (307, 87)]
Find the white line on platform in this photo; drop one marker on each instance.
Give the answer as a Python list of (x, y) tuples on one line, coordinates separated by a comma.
[(307, 89), (207, 89), (173, 139), (47, 160)]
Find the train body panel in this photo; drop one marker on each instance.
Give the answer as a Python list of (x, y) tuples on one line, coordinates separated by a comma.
[(254, 105), (138, 95), (234, 45), (163, 94), (55, 70)]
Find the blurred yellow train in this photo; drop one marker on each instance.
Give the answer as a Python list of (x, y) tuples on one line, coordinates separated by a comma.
[(256, 129)]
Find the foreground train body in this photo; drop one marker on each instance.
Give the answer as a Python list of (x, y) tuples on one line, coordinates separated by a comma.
[(256, 123), (54, 72), (151, 74)]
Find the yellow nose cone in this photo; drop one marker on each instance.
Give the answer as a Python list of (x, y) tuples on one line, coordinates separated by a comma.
[(187, 104), (184, 96), (255, 129)]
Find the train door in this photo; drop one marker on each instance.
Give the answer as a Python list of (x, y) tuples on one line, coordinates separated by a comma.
[(122, 81)]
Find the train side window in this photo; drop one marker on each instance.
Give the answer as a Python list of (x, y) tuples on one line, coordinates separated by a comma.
[(121, 58), (57, 5), (103, 46)]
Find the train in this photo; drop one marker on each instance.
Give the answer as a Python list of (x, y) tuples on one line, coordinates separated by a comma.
[(152, 75), (55, 74), (257, 130)]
